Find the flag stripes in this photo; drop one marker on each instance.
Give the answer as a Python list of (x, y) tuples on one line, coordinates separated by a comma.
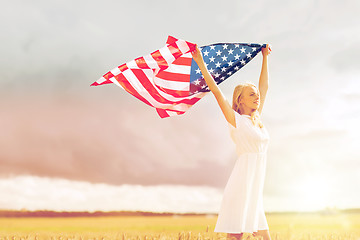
[(156, 80), (169, 80)]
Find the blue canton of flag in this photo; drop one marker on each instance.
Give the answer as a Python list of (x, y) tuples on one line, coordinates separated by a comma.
[(222, 60)]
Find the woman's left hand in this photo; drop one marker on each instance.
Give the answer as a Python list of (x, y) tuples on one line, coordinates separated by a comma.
[(266, 50)]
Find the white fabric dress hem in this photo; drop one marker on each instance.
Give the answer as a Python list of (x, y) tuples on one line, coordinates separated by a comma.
[(244, 231)]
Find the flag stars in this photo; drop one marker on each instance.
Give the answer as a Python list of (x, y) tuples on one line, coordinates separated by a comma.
[(222, 61)]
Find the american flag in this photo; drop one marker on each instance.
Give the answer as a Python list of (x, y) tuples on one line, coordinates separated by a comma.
[(170, 80)]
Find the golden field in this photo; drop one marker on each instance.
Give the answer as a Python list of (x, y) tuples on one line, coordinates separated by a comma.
[(282, 226)]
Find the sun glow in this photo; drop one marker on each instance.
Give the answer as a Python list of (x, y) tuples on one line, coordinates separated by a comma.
[(314, 193)]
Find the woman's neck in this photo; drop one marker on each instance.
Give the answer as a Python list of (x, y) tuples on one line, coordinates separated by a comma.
[(246, 110)]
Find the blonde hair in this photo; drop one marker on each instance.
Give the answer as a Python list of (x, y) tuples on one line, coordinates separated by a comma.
[(255, 116)]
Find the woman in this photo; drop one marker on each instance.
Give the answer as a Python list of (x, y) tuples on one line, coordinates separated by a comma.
[(242, 205)]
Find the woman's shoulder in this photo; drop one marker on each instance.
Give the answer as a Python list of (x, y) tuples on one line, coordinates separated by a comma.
[(241, 116), (240, 119)]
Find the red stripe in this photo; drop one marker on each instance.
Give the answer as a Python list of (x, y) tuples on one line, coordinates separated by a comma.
[(176, 77), (175, 51), (141, 63), (183, 61), (108, 75), (171, 40), (129, 88), (175, 93), (123, 67), (154, 93), (192, 46), (159, 59), (105, 82), (180, 113), (163, 113)]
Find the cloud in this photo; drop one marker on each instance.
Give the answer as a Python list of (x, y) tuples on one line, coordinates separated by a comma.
[(54, 43), (103, 142), (345, 58), (41, 193), (36, 193)]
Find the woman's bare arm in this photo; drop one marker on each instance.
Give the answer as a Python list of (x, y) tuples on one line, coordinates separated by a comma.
[(220, 98), (264, 77)]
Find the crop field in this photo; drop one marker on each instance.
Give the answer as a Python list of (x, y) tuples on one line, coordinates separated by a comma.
[(282, 227)]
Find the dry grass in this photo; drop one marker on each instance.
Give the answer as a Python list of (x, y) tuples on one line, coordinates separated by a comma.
[(282, 227)]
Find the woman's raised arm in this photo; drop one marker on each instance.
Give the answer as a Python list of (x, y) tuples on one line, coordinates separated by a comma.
[(220, 98), (264, 77)]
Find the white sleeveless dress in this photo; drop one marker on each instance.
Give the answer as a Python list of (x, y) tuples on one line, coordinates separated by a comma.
[(242, 204)]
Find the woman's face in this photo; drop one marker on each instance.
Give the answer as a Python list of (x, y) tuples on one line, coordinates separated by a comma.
[(250, 97)]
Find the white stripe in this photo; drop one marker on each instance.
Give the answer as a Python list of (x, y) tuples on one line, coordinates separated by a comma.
[(132, 79), (173, 68), (132, 64), (182, 45), (151, 62), (151, 77), (101, 80), (167, 55), (171, 113), (115, 71), (186, 55), (115, 82), (182, 86)]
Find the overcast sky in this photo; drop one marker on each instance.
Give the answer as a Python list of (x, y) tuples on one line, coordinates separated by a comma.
[(58, 134)]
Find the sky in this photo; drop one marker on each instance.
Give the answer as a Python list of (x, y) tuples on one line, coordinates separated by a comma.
[(68, 146)]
